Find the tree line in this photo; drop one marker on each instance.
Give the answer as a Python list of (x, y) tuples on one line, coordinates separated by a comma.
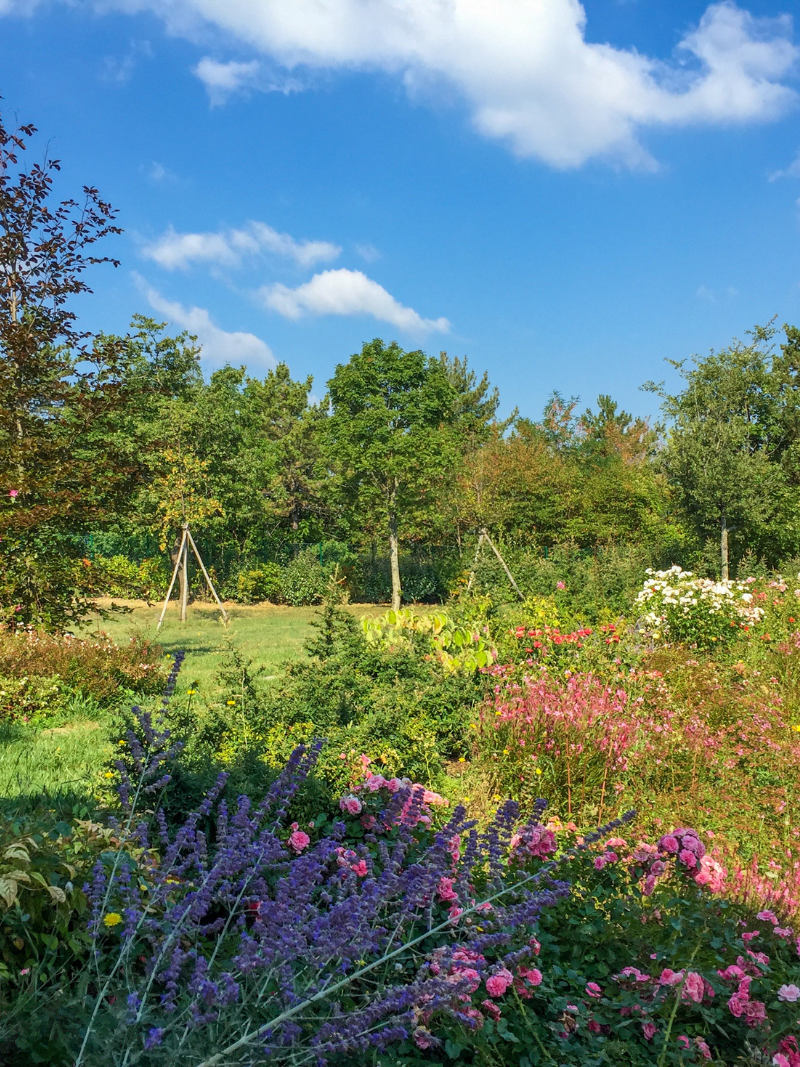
[(101, 432)]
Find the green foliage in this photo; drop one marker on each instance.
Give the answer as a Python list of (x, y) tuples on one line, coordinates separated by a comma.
[(263, 582), (464, 648), (29, 698), (118, 576)]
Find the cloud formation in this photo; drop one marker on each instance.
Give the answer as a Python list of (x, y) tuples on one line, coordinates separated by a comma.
[(792, 171), (219, 347), (347, 292), (228, 248), (528, 74), (222, 80)]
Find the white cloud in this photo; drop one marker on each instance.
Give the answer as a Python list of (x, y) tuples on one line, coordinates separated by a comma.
[(524, 67), (219, 347), (346, 292), (224, 79), (792, 171), (176, 251), (368, 252), (159, 174)]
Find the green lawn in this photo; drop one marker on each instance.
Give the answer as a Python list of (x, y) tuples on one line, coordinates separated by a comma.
[(266, 633), (63, 762)]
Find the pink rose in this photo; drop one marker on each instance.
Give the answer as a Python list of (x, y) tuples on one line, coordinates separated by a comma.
[(670, 977), (768, 916), (732, 973), (594, 1026), (360, 868), (687, 857), (424, 1038), (593, 989), (299, 841), (789, 993), (491, 1009), (684, 1040), (532, 974), (445, 889), (779, 1060), (737, 1005), (702, 1048), (13, 493), (693, 988), (755, 1012), (669, 844), (350, 804), (649, 1030), (499, 982), (600, 862)]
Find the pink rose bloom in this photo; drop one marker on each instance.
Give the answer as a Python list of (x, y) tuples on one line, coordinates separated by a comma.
[(670, 977), (600, 862), (693, 988), (445, 889), (491, 1009), (13, 493), (466, 974), (711, 873), (783, 931), (779, 1060), (650, 884), (535, 945), (649, 1030), (594, 1026), (755, 1012), (687, 857), (768, 916), (559, 585), (351, 805), (375, 782), (759, 957), (360, 868), (750, 935), (533, 975), (499, 982), (616, 842), (669, 843), (475, 1015), (368, 821), (455, 912), (393, 784), (593, 989), (633, 972), (684, 1040), (789, 993), (737, 1005), (702, 1048), (732, 973), (299, 841)]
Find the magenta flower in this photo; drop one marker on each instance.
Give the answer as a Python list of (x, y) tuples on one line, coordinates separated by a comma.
[(669, 843), (649, 1030), (350, 805), (593, 989), (693, 987), (768, 916), (499, 982)]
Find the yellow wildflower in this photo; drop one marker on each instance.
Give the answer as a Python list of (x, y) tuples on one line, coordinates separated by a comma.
[(538, 770), (112, 919), (109, 774), (191, 692), (231, 703)]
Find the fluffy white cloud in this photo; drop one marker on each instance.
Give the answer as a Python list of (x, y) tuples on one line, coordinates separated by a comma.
[(228, 248), (525, 68), (347, 292), (219, 346), (222, 80)]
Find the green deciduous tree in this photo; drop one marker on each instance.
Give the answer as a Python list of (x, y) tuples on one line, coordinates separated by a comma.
[(733, 443), (391, 438)]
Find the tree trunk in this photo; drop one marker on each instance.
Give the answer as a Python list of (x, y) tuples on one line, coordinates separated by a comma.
[(723, 546), (183, 578), (394, 559)]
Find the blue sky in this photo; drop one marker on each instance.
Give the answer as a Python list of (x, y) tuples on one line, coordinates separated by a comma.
[(566, 194)]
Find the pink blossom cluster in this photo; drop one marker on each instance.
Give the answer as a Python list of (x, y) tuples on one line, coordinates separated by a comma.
[(533, 841)]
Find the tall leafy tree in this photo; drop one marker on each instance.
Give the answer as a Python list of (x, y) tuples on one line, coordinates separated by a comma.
[(733, 443), (59, 385), (390, 437)]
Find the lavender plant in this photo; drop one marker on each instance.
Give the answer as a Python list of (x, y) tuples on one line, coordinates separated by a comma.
[(263, 945)]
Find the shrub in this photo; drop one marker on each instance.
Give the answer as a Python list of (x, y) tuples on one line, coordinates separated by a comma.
[(29, 698), (94, 666), (264, 582), (698, 611), (305, 580), (118, 576), (464, 648)]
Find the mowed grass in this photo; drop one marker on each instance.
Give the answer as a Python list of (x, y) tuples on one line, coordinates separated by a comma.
[(62, 764)]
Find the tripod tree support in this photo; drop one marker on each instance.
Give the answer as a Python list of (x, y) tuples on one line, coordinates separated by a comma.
[(484, 536), (182, 561)]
